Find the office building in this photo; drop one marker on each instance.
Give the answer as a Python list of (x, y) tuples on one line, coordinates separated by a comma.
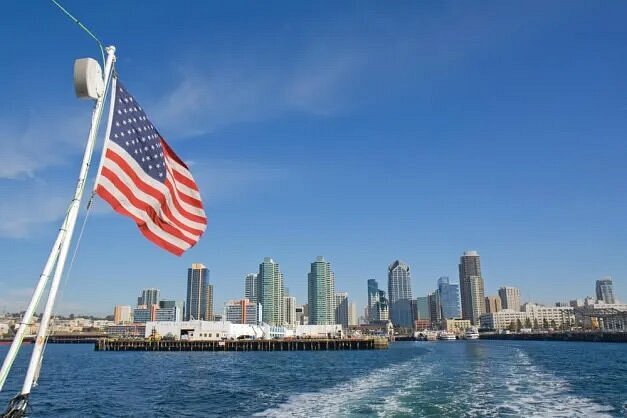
[(435, 309), (169, 310), (605, 290), (373, 298), (341, 309), (400, 295), (148, 297), (423, 311), (251, 288), (289, 311), (492, 304), (532, 317), (510, 298), (199, 304), (243, 311), (271, 290), (353, 317), (321, 293), (143, 313), (449, 299), (122, 314), (471, 287)]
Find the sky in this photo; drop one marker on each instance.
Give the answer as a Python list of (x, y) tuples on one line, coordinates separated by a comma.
[(361, 131)]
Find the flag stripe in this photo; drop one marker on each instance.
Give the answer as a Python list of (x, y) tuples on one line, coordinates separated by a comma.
[(143, 227), (130, 202), (118, 176), (130, 166)]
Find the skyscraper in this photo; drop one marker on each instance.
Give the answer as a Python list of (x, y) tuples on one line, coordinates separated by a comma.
[(373, 298), (449, 299), (435, 308), (605, 290), (122, 314), (423, 311), (289, 310), (251, 290), (199, 304), (321, 293), (270, 291), (148, 297), (399, 293), (471, 287), (341, 309), (510, 298), (353, 318)]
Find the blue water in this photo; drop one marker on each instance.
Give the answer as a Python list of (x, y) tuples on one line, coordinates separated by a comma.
[(451, 379)]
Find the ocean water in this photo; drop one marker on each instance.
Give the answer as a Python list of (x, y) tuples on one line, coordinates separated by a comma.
[(410, 379)]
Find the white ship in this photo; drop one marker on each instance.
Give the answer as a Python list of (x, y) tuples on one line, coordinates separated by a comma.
[(446, 336), (471, 334)]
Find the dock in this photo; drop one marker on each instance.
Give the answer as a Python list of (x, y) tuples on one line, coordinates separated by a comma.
[(109, 344)]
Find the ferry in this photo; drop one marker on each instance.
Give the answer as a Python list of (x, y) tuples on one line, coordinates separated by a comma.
[(471, 334), (446, 336)]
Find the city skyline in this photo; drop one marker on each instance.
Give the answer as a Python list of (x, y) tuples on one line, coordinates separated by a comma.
[(279, 110)]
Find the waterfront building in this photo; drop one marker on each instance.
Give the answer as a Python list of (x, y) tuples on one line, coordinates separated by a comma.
[(289, 310), (319, 331), (243, 311), (456, 326), (510, 298), (605, 290), (126, 331), (471, 286), (353, 318), (169, 310), (148, 297), (143, 314), (532, 316), (271, 291), (321, 293), (399, 294), (251, 288), (449, 298), (492, 304), (199, 304), (422, 308), (341, 309), (122, 314)]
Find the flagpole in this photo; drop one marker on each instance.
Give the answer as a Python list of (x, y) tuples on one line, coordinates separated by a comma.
[(60, 250)]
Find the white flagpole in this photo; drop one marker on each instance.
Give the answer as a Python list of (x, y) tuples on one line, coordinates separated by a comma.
[(69, 225), (57, 257)]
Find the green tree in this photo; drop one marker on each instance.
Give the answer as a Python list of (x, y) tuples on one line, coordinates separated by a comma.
[(518, 325), (512, 326), (528, 323), (545, 323), (535, 323), (553, 324)]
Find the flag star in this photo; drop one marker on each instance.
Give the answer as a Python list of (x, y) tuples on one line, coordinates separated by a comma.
[(143, 159), (149, 167), (117, 123), (135, 151), (127, 143), (115, 135), (123, 122), (160, 174), (122, 133)]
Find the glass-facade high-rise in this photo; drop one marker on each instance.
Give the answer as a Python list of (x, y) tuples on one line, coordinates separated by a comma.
[(422, 308), (399, 294), (471, 287), (148, 297), (199, 303), (449, 299), (251, 291), (605, 290), (378, 308), (271, 291), (321, 293)]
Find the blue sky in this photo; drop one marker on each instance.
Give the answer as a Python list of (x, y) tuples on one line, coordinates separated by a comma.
[(360, 131)]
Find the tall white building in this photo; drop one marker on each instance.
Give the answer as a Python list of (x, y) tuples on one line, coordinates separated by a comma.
[(243, 311), (122, 314), (510, 298), (353, 317), (399, 294)]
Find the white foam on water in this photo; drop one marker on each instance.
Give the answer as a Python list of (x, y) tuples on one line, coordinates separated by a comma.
[(377, 392), (533, 392)]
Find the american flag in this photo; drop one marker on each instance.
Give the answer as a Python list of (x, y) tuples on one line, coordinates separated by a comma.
[(142, 178)]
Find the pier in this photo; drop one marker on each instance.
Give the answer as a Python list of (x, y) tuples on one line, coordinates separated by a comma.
[(107, 344)]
